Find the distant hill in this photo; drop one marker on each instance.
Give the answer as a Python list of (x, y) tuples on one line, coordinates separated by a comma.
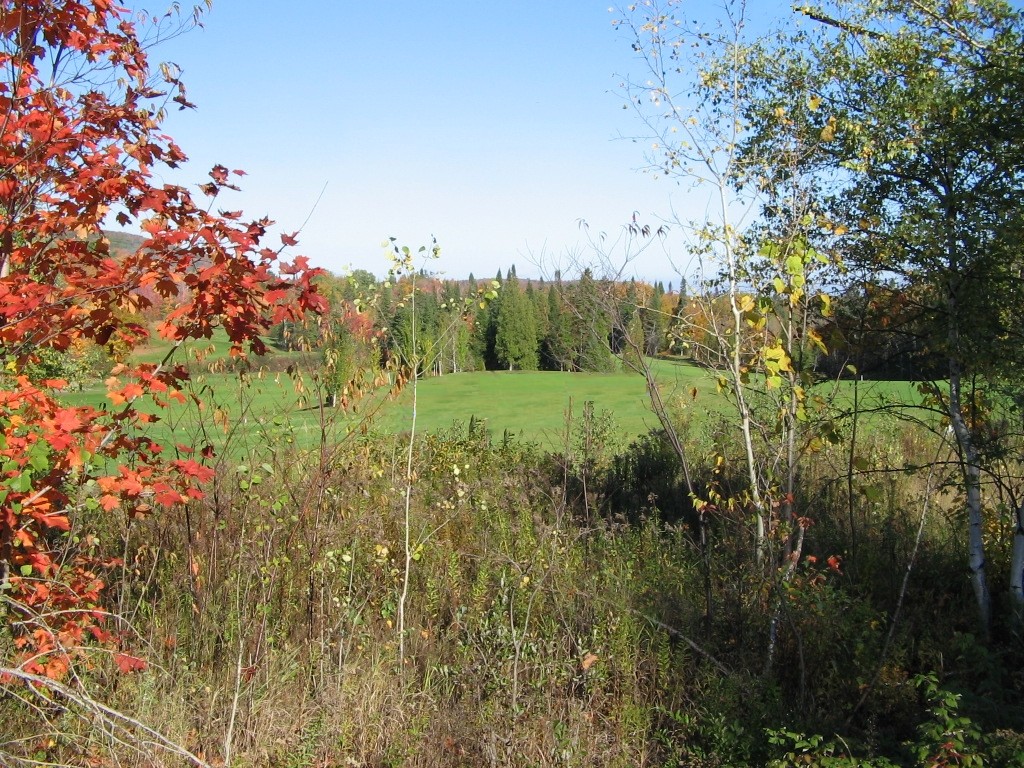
[(123, 242)]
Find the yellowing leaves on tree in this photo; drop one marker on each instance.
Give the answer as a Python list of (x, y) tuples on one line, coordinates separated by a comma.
[(829, 131)]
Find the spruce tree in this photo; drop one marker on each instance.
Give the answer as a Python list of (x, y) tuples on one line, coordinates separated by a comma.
[(516, 342), (591, 327), (555, 355)]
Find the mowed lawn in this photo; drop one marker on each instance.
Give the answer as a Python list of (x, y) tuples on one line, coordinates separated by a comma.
[(270, 405), (533, 405), (224, 408)]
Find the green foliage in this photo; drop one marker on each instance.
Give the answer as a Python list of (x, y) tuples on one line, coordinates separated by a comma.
[(591, 327), (516, 342), (338, 355), (947, 738), (555, 354), (526, 618), (911, 124), (75, 366), (654, 322), (498, 602), (944, 738)]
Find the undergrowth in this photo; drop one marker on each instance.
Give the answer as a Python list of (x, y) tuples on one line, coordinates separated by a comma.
[(553, 618)]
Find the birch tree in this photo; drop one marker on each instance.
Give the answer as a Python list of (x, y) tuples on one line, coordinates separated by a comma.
[(919, 163), (753, 292)]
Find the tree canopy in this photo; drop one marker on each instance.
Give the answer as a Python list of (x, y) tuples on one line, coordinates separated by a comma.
[(81, 142)]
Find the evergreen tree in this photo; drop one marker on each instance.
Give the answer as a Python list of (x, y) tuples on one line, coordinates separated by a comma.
[(591, 327), (626, 312), (486, 329), (453, 353), (654, 322), (338, 356), (516, 333), (555, 355), (426, 316), (480, 331), (539, 300)]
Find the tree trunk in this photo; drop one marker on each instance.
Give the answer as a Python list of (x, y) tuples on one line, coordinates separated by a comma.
[(971, 468), (1017, 570), (735, 364), (970, 460)]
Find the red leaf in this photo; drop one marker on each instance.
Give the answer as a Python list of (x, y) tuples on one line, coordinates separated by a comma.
[(69, 157), (194, 469), (167, 496), (60, 522), (128, 663)]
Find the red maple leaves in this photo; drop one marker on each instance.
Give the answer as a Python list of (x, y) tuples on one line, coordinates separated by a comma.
[(79, 141)]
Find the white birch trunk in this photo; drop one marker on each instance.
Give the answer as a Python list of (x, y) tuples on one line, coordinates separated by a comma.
[(970, 465), (1017, 569), (970, 460), (736, 375)]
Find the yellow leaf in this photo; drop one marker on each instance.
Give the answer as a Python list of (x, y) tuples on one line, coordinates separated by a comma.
[(829, 131)]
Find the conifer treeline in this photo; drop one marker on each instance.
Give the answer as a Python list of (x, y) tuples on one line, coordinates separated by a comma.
[(578, 324)]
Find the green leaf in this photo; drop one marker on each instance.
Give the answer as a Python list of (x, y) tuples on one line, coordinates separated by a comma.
[(39, 456), (21, 483)]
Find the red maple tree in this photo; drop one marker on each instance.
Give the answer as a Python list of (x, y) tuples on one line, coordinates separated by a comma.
[(80, 140)]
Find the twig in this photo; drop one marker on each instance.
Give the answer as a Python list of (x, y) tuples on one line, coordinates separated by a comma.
[(671, 630), (103, 715), (676, 633)]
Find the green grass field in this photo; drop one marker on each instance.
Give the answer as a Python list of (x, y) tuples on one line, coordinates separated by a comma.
[(533, 405), (269, 405)]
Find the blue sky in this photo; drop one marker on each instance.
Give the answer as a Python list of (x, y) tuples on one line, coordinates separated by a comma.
[(493, 127)]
